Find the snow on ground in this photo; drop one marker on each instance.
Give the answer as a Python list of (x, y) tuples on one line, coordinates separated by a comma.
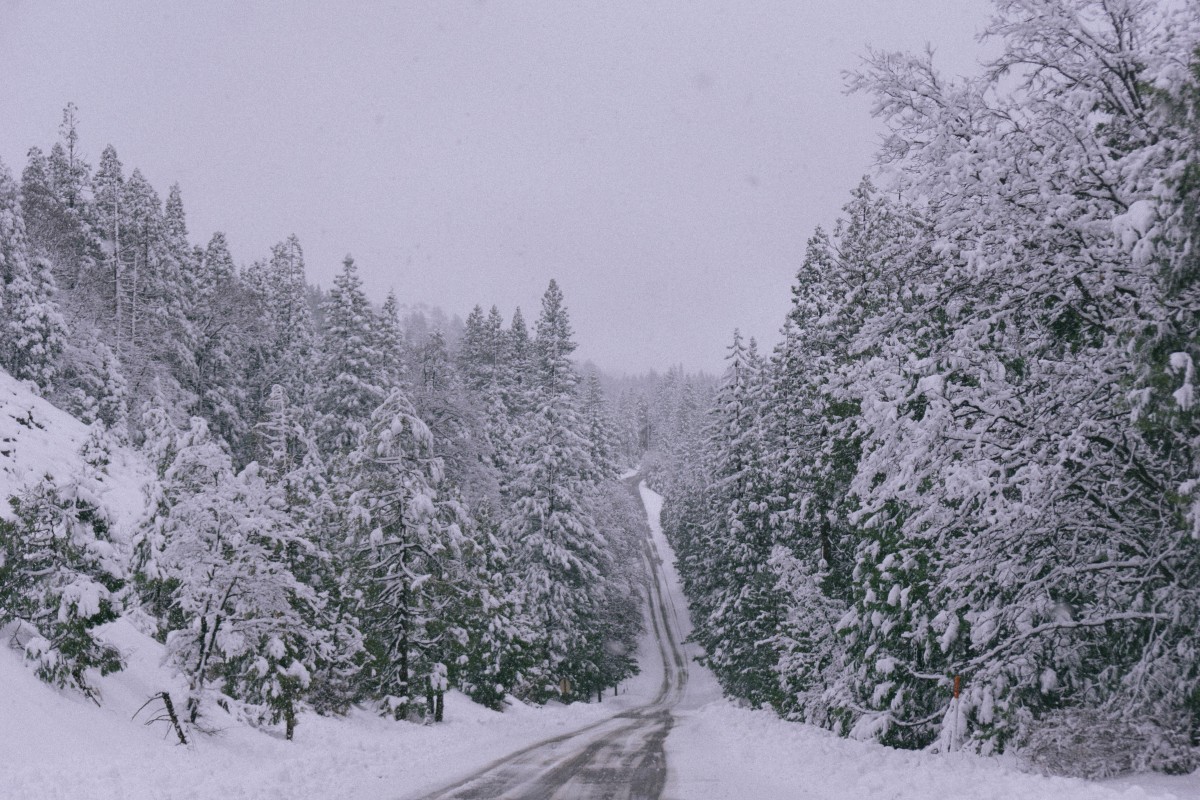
[(720, 750), (38, 439), (58, 745)]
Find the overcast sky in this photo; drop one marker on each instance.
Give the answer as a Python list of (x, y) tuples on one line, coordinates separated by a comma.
[(665, 161)]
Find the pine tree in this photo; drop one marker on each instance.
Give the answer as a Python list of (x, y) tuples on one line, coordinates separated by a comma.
[(477, 359), (814, 427), (101, 392), (390, 342), (40, 205), (108, 212), (142, 239), (600, 429), (350, 387), (292, 466), (517, 378), (60, 577), (293, 348), (496, 645), (741, 610), (217, 339), (411, 549), (488, 368), (173, 291), (69, 170), (279, 341), (456, 422), (54, 193), (556, 543), (32, 327)]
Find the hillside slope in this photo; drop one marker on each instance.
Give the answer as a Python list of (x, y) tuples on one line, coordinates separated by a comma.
[(37, 439), (58, 744)]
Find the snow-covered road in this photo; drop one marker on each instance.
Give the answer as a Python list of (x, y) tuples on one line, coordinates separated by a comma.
[(619, 757)]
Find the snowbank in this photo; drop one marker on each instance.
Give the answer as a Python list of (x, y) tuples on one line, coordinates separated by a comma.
[(57, 745), (38, 439)]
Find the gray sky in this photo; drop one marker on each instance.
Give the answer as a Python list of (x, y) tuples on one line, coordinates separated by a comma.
[(665, 161)]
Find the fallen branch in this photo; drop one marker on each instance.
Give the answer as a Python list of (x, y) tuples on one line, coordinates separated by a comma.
[(169, 715)]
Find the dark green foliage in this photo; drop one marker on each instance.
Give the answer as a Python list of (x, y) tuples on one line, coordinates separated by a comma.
[(58, 581)]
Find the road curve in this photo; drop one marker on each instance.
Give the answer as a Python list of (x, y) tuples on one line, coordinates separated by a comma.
[(618, 758)]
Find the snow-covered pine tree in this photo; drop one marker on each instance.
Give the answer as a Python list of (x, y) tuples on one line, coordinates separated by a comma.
[(31, 328), (218, 340), (142, 246), (60, 577), (488, 368), (58, 212), (456, 422), (294, 340), (107, 213), (53, 196), (517, 377), (612, 647), (292, 465), (814, 426), (496, 645), (601, 434), (551, 526), (176, 288), (53, 230), (477, 359), (349, 388), (741, 607), (390, 342), (103, 392), (278, 338), (67, 166), (410, 562)]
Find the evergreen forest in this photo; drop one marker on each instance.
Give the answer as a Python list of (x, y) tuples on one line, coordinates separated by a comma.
[(955, 507)]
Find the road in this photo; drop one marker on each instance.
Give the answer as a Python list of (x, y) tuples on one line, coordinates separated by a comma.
[(618, 758)]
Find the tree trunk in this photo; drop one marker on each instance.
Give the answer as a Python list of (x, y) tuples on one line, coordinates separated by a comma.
[(289, 718), (826, 547), (403, 677), (170, 706), (117, 273), (197, 682), (208, 641)]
